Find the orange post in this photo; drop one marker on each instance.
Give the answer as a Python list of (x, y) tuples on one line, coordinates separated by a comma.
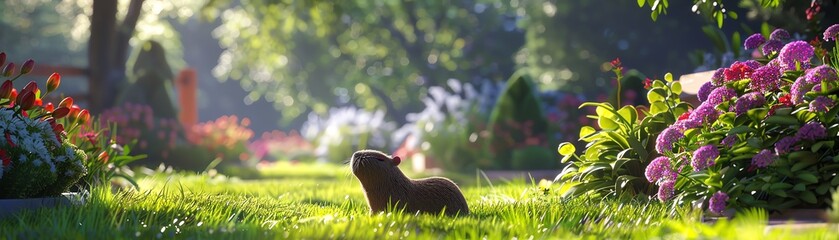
[(187, 84)]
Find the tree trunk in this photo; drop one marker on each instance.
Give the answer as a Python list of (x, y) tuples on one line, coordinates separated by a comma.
[(100, 58), (108, 50)]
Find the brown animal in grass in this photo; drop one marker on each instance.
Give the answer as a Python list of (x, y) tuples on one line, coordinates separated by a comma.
[(385, 185)]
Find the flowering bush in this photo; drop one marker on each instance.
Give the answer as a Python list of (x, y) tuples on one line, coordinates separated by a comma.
[(346, 130), (36, 159), (281, 146), (763, 136), (227, 137), (137, 124)]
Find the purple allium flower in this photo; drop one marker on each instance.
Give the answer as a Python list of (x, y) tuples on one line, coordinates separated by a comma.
[(798, 89), (719, 95), (729, 141), (811, 131), (773, 62), (704, 90), (784, 146), (684, 125), (817, 88), (753, 64), (705, 113), (754, 41), (771, 46), (704, 157), (763, 158), (718, 78), (717, 202), (664, 141), (821, 104), (748, 101), (779, 34), (821, 73), (666, 190), (797, 52), (766, 78), (658, 169), (832, 33)]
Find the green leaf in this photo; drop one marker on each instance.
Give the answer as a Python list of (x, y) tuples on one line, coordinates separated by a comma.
[(566, 149), (676, 87), (817, 146), (619, 139), (658, 107), (799, 187), (607, 123), (740, 129), (780, 186), (585, 131), (808, 177), (719, 19), (641, 3), (668, 77), (656, 95), (808, 197), (757, 114), (822, 188), (782, 120), (629, 113), (780, 193)]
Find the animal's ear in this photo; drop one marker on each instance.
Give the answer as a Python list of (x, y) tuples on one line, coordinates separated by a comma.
[(396, 160)]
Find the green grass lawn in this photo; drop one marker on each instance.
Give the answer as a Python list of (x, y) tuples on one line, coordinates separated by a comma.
[(325, 201)]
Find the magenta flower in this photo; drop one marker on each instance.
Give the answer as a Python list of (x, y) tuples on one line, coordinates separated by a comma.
[(766, 78), (784, 146), (771, 46), (705, 113), (704, 91), (686, 124), (666, 190), (811, 131), (821, 104), (717, 202), (658, 169), (763, 158), (748, 101), (832, 33), (794, 53), (798, 89), (753, 64), (779, 34), (704, 157), (823, 73), (720, 95), (718, 78), (754, 41), (729, 141), (664, 141)]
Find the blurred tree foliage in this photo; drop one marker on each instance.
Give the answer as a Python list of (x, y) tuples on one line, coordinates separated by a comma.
[(308, 55)]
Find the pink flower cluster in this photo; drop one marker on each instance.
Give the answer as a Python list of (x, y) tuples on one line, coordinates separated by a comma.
[(279, 144), (225, 136), (135, 120)]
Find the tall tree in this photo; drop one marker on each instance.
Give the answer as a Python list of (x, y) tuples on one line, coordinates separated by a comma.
[(308, 55)]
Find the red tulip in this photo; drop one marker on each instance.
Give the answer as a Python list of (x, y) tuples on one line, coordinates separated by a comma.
[(49, 107), (2, 58), (66, 102), (53, 82), (74, 113), (103, 157), (9, 70), (60, 112), (84, 116), (6, 89), (30, 87), (26, 101), (27, 66), (13, 95)]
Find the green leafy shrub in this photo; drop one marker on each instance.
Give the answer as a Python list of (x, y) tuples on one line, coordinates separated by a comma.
[(617, 154), (516, 118)]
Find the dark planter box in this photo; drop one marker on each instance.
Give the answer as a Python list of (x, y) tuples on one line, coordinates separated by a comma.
[(9, 207)]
